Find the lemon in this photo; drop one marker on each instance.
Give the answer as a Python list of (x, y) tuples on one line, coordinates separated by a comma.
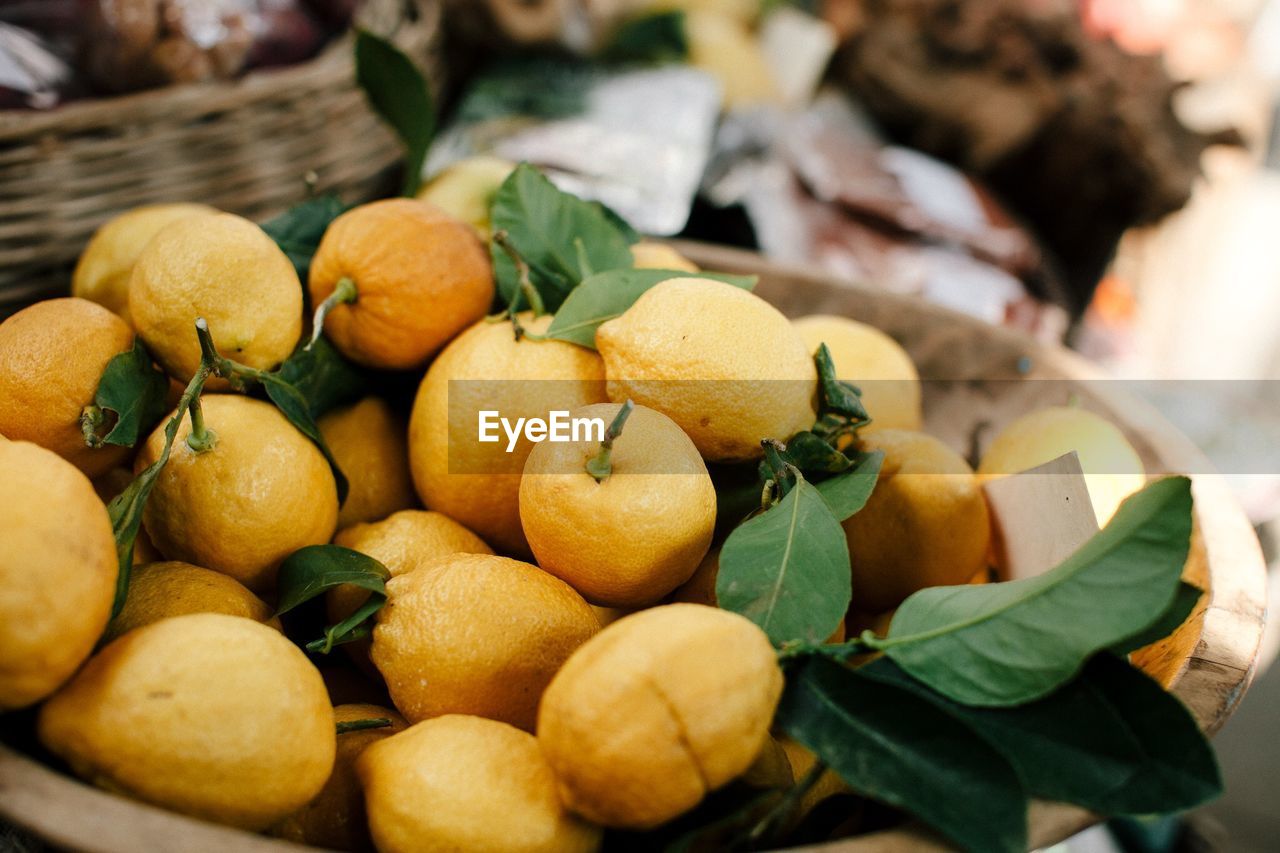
[(369, 442), (103, 271), (161, 590), (476, 634), (420, 278), (627, 540), (465, 190), (1112, 468), (659, 256), (724, 46), (658, 709), (261, 493), (52, 355), (722, 363), (873, 361), (487, 369), (335, 819), (227, 270), (925, 524), (214, 716), (57, 572), (459, 783)]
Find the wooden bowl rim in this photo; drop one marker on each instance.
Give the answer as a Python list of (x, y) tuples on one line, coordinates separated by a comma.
[(1212, 680)]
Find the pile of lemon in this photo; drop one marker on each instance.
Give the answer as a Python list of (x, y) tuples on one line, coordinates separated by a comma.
[(514, 720)]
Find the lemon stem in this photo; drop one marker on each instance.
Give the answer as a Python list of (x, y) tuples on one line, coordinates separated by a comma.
[(362, 725), (778, 466), (344, 293), (201, 438), (778, 818), (526, 288), (600, 466)]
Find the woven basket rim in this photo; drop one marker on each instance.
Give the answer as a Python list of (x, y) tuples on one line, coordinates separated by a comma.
[(173, 102)]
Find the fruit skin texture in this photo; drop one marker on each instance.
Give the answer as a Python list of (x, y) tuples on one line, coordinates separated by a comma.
[(214, 716), (631, 538), (57, 572), (477, 634), (465, 189), (649, 255), (227, 270), (466, 783), (926, 523), (52, 355), (660, 708), (162, 590), (421, 276), (1112, 468), (335, 819), (734, 344), (103, 271), (368, 440), (479, 484), (873, 361), (261, 493)]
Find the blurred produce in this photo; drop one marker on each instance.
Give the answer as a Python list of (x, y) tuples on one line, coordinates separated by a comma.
[(31, 74)]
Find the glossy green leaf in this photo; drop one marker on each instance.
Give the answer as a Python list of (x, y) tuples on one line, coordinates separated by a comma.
[(294, 406), (562, 238), (787, 569), (1111, 740), (299, 229), (892, 745), (323, 377), (847, 492), (400, 95), (605, 296), (1184, 603), (130, 399), (311, 571), (837, 396), (1009, 643)]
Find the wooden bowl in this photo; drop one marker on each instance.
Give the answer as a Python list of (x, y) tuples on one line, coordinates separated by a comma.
[(1208, 662)]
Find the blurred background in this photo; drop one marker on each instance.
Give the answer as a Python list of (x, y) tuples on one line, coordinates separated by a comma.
[(1103, 174)]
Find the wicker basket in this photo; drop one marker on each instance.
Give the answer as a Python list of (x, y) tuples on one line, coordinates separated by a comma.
[(243, 146)]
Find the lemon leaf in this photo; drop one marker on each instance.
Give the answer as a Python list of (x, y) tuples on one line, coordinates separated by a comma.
[(787, 569), (649, 39), (892, 745), (133, 390), (1009, 643), (1111, 740), (294, 406), (323, 377), (398, 92), (847, 492), (605, 296), (298, 230), (315, 569)]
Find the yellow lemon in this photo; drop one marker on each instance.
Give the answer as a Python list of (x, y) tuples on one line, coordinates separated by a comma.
[(722, 363), (57, 572), (875, 362), (476, 634), (214, 716), (659, 256), (369, 442), (227, 270), (335, 819), (262, 492), (103, 271), (161, 590), (465, 189), (464, 783), (627, 540), (52, 355), (487, 369), (725, 47), (926, 522), (655, 711), (1112, 468)]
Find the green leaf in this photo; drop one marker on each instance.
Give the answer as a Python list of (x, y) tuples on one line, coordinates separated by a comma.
[(323, 377), (132, 389), (848, 492), (892, 745), (605, 296), (836, 396), (294, 406), (1009, 643), (655, 38), (787, 569), (298, 230), (363, 725), (1184, 603), (547, 226), (399, 93), (311, 571), (1111, 740)]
